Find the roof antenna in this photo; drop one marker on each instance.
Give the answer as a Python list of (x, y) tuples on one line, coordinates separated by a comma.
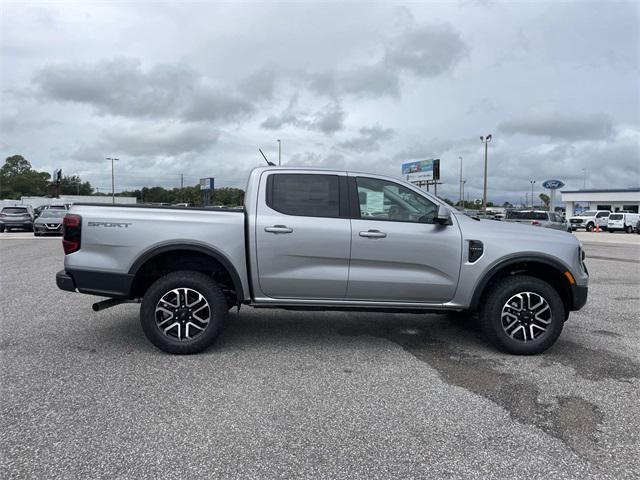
[(265, 159)]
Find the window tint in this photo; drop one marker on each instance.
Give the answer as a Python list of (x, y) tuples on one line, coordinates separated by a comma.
[(52, 214), (304, 195), (15, 210), (384, 200), (526, 215)]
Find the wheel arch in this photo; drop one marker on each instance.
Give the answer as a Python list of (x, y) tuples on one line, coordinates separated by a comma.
[(541, 266), (168, 257)]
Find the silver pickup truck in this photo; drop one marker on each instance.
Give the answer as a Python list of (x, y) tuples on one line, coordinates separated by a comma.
[(323, 239)]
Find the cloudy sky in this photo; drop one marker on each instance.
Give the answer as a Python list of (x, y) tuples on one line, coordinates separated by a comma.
[(196, 88)]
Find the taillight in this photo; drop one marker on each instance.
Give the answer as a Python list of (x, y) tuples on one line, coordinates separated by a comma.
[(535, 222), (71, 233)]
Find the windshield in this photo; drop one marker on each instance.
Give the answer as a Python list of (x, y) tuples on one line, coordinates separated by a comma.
[(615, 216), (588, 213), (516, 215), (51, 214), (15, 210)]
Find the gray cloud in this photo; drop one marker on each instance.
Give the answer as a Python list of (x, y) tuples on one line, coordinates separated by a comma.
[(121, 87), (577, 127), (160, 139), (369, 139), (426, 51), (328, 120)]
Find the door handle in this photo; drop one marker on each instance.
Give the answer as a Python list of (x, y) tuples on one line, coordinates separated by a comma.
[(278, 229), (373, 234)]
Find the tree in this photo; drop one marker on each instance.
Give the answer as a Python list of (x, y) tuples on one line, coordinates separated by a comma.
[(74, 185), (545, 199), (18, 179), (15, 166)]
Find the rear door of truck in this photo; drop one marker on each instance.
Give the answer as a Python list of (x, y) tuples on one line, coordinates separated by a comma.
[(303, 235)]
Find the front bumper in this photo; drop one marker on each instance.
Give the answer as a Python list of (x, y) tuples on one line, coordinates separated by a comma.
[(579, 294), (40, 228)]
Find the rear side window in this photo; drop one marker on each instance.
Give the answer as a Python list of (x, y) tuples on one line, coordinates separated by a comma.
[(304, 195), (615, 216)]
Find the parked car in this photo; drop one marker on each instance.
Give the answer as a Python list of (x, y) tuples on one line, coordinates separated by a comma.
[(57, 206), (638, 227), (589, 219), (16, 217), (538, 218), (322, 239), (622, 221), (49, 222)]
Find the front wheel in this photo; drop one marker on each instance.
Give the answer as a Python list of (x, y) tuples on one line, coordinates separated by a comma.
[(522, 315), (590, 227), (183, 312), (629, 229)]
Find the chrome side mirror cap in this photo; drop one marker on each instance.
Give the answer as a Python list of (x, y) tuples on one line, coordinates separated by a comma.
[(443, 217)]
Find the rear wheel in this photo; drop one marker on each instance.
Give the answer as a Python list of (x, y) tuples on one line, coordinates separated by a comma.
[(183, 312), (522, 315), (590, 227), (629, 229)]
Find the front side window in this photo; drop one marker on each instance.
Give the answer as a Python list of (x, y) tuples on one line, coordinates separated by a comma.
[(385, 200), (304, 194), (602, 214)]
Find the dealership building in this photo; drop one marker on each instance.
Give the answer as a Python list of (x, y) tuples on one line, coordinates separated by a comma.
[(613, 200)]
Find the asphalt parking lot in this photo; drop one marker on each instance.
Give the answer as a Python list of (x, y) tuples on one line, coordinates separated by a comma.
[(314, 395)]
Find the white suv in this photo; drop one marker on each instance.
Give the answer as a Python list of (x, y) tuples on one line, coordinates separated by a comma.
[(589, 219)]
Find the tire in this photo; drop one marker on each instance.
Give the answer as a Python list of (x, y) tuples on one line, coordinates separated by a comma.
[(185, 282), (1, 228), (511, 291), (629, 229), (36, 234), (590, 227)]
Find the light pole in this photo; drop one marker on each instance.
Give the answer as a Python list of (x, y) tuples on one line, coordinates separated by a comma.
[(461, 195), (532, 182), (279, 152), (486, 141), (113, 189)]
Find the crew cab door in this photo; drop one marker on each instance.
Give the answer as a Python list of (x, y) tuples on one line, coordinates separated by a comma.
[(303, 235), (397, 252)]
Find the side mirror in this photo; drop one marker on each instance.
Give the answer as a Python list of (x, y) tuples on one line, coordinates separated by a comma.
[(443, 216)]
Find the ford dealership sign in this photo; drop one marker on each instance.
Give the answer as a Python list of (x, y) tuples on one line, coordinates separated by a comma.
[(553, 184)]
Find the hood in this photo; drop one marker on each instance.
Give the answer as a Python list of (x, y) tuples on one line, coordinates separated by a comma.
[(41, 221), (511, 230)]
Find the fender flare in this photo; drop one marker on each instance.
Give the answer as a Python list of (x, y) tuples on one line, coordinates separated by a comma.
[(512, 260), (192, 247)]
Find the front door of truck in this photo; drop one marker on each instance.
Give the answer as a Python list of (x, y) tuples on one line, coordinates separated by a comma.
[(303, 234), (397, 252)]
